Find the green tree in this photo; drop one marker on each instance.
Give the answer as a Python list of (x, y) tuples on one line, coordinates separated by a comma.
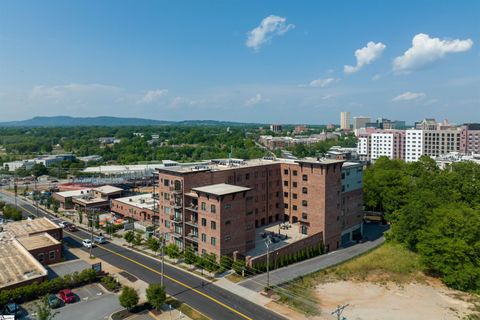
[(172, 251), (38, 170), (43, 310), (153, 244), (138, 239), (129, 237), (128, 298), (189, 256), (156, 295)]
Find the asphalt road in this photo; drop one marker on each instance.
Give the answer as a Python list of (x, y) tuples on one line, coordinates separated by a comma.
[(211, 300)]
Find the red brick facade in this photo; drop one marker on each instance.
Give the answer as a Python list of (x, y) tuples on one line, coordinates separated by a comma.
[(307, 192)]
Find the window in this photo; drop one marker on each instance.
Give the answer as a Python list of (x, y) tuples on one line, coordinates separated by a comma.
[(295, 172), (228, 238), (227, 222), (285, 183), (166, 182), (305, 177), (247, 176), (285, 171), (227, 206), (295, 184), (294, 207), (285, 194), (40, 257), (51, 255), (213, 209), (304, 203), (213, 241), (204, 222), (213, 225), (204, 237), (304, 230), (294, 195), (304, 190), (304, 216), (204, 206), (285, 205)]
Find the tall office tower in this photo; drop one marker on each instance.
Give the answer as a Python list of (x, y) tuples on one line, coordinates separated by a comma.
[(345, 120), (360, 122)]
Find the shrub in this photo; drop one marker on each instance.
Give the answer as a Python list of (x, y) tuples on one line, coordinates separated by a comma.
[(238, 266), (226, 262), (129, 236), (110, 283), (156, 295), (128, 298)]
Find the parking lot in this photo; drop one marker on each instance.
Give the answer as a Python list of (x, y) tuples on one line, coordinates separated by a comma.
[(92, 302)]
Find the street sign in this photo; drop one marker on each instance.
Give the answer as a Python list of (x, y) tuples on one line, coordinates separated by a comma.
[(97, 267)]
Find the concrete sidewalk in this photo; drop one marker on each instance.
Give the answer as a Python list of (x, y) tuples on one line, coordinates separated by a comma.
[(285, 274)]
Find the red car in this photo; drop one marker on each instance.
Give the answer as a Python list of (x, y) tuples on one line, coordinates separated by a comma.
[(67, 295)]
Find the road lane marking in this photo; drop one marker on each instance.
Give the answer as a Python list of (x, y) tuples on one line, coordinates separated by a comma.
[(158, 272), (170, 278)]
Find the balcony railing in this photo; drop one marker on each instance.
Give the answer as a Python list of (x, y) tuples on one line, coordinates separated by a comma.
[(192, 207), (192, 222)]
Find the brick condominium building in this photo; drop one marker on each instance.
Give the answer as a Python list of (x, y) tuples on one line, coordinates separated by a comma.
[(216, 206)]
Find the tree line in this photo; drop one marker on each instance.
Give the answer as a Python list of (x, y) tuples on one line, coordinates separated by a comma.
[(433, 212)]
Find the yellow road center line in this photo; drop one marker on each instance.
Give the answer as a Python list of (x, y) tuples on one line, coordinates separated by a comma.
[(172, 279)]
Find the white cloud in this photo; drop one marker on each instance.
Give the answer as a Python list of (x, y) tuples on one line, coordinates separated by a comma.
[(409, 96), (366, 55), (61, 92), (153, 95), (426, 50), (257, 99), (269, 27), (322, 82)]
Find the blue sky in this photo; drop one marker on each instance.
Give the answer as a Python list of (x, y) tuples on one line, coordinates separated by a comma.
[(255, 61)]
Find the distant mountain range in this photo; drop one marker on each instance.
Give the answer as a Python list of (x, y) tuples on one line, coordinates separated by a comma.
[(67, 121)]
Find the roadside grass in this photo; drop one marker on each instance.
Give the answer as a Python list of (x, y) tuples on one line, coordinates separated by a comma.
[(389, 262), (186, 309), (235, 278)]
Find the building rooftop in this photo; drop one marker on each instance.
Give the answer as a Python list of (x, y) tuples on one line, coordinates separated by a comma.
[(107, 189), (37, 241), (17, 264), (73, 193), (221, 189), (144, 201), (229, 164), (28, 227)]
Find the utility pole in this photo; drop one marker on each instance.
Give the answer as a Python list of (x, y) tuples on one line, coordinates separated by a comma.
[(35, 196), (91, 233), (338, 312), (267, 244)]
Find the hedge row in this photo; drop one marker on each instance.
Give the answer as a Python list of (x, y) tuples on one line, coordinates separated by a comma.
[(36, 290)]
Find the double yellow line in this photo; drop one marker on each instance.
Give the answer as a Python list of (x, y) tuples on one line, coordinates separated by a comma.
[(166, 276), (172, 279)]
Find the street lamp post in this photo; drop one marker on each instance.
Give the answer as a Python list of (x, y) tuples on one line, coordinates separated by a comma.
[(163, 257), (267, 244)]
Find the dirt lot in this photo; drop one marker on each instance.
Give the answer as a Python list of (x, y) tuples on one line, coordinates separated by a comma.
[(370, 301)]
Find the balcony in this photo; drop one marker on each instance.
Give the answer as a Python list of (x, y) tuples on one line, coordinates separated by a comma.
[(192, 207), (192, 222), (177, 234), (192, 237), (177, 219)]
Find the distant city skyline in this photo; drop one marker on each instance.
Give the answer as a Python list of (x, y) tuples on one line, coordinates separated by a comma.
[(243, 61)]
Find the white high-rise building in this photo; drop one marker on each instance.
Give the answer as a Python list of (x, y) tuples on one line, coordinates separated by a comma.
[(345, 120)]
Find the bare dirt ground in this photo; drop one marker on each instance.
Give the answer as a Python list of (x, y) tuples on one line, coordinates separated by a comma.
[(370, 301)]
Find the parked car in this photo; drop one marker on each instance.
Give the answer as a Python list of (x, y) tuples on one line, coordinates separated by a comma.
[(99, 239), (12, 309), (63, 224), (87, 243), (66, 295), (71, 227), (54, 302)]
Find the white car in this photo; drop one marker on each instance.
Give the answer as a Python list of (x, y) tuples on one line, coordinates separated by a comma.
[(87, 243), (99, 239), (63, 224)]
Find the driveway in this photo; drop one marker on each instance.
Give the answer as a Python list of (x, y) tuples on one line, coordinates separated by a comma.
[(285, 274)]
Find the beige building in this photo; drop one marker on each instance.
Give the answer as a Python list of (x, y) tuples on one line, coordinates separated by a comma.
[(345, 120)]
